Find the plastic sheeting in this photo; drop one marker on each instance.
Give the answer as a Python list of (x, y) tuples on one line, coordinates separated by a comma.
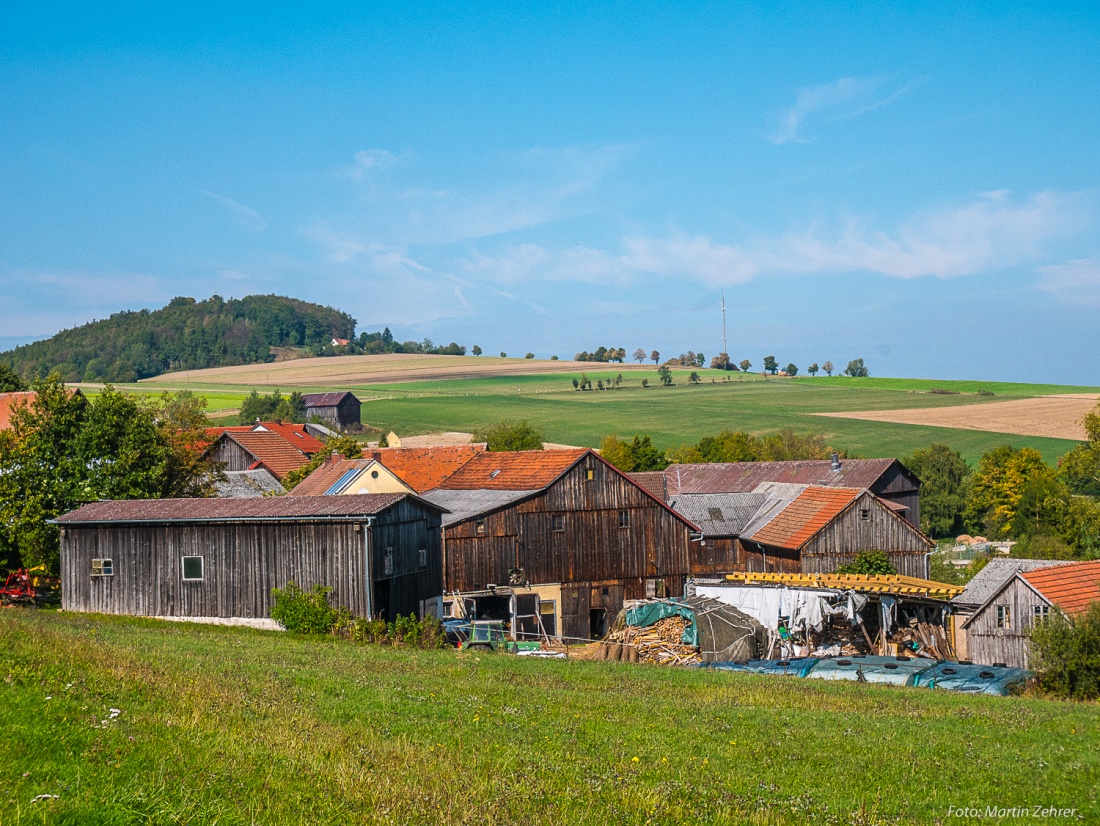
[(651, 612), (973, 679), (889, 670), (805, 608), (797, 667)]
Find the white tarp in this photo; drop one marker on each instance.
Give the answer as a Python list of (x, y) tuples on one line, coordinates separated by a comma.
[(806, 608)]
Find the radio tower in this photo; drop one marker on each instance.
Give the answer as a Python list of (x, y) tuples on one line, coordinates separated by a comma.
[(724, 350)]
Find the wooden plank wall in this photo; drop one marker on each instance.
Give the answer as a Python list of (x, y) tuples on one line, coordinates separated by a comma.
[(896, 486), (988, 644), (232, 455), (406, 528)]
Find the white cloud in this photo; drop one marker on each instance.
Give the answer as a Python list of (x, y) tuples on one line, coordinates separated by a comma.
[(367, 161), (847, 97), (1075, 282), (244, 215), (993, 231)]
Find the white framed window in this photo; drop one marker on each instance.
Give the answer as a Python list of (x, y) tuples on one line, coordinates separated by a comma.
[(1004, 616), (192, 568), (557, 523), (387, 563), (1042, 612), (103, 567), (422, 556)]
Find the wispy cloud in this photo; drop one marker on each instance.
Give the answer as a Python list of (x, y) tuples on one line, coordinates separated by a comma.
[(1075, 282), (847, 97), (993, 231), (368, 161), (244, 215)]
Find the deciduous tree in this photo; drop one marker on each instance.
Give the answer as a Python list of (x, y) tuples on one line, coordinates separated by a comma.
[(656, 356), (856, 369), (346, 446), (475, 350), (639, 454), (665, 375), (507, 435), (639, 355), (770, 365), (828, 368), (745, 365), (997, 486), (792, 370), (942, 473)]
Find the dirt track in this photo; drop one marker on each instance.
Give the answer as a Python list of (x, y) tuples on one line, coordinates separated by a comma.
[(357, 370), (1058, 417)]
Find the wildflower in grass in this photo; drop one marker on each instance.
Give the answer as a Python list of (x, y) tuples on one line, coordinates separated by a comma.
[(634, 760)]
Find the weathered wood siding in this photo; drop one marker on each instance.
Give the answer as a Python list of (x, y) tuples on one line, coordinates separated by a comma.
[(232, 455), (339, 417), (895, 485), (987, 644), (766, 559), (843, 538), (719, 555), (591, 551), (243, 562)]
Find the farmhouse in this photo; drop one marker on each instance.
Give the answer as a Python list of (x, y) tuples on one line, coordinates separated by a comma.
[(888, 479), (350, 477), (563, 524), (220, 558), (988, 581), (340, 411), (997, 632)]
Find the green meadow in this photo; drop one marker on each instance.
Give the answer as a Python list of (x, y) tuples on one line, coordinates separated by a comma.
[(128, 721)]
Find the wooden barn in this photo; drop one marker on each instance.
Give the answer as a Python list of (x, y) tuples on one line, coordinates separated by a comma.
[(220, 558), (564, 524), (888, 479), (340, 411), (815, 530), (998, 631), (279, 448)]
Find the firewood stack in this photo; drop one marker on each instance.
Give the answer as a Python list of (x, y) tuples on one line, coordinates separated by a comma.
[(931, 641), (659, 644)]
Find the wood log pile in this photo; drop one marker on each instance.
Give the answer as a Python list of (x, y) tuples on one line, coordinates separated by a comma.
[(931, 641), (658, 644)]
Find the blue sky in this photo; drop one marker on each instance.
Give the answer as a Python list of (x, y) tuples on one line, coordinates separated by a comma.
[(915, 186)]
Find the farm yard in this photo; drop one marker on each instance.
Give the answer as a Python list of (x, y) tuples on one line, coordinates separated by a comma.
[(424, 394), (114, 720)]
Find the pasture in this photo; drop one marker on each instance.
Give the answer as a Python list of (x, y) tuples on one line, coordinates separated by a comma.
[(114, 720)]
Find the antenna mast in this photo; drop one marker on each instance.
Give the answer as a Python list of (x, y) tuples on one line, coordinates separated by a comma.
[(724, 349)]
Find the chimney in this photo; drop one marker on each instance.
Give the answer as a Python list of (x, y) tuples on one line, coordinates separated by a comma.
[(835, 468), (334, 458), (377, 456)]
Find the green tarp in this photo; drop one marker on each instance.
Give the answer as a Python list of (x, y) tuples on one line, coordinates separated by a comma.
[(650, 613)]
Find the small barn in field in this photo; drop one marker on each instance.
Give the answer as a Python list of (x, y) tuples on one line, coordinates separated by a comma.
[(338, 410), (220, 558), (997, 632)]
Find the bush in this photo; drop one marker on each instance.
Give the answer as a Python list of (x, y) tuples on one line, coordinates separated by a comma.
[(1066, 653), (869, 563), (405, 632), (304, 612)]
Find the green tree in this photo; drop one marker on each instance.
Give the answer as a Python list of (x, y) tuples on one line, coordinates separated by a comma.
[(346, 446), (856, 370), (503, 355), (1080, 468), (745, 365), (721, 362), (792, 370), (1065, 652), (693, 378), (529, 356), (997, 486), (943, 473), (665, 375), (9, 380), (475, 350), (656, 356), (507, 435), (727, 446), (638, 454), (812, 369), (770, 365), (869, 563)]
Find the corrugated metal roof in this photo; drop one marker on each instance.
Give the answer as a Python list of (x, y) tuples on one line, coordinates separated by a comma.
[(995, 574), (246, 510), (466, 504), (247, 484), (719, 514), (325, 399), (1072, 588), (519, 470), (425, 468), (861, 583), (271, 450), (810, 511), (744, 477)]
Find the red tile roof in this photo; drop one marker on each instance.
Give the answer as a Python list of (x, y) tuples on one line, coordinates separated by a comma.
[(810, 511), (1069, 587), (424, 468), (213, 510), (296, 434), (327, 475), (270, 450), (8, 403), (520, 470)]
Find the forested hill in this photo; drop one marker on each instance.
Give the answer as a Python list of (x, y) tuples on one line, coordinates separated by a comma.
[(185, 335)]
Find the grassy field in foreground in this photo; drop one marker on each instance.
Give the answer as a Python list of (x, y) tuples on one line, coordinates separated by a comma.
[(236, 726)]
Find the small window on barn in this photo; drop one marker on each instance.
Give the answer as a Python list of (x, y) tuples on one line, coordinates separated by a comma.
[(1042, 612), (865, 514), (192, 567), (103, 567), (1004, 616), (479, 526), (624, 519), (557, 523), (590, 475), (423, 557), (387, 562)]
